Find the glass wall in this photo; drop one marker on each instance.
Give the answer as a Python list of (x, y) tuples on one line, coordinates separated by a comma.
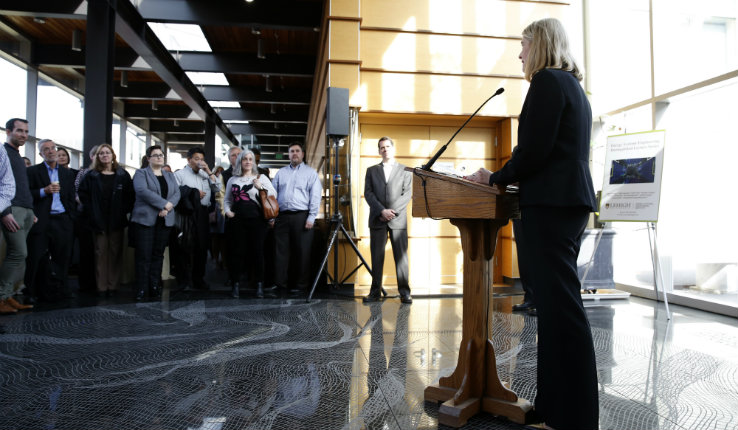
[(13, 89), (59, 116), (693, 42)]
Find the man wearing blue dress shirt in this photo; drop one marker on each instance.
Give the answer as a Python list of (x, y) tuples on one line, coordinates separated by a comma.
[(298, 193), (52, 188)]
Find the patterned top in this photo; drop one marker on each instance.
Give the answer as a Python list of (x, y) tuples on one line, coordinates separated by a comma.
[(7, 182), (242, 198)]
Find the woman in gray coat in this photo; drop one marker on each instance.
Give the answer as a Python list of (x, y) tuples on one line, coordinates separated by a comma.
[(157, 193)]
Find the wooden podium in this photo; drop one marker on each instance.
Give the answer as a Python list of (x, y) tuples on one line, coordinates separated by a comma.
[(478, 211)]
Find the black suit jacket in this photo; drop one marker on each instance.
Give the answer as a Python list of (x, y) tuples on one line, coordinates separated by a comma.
[(38, 178), (551, 162)]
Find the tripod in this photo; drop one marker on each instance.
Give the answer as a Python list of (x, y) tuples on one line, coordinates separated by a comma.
[(336, 226)]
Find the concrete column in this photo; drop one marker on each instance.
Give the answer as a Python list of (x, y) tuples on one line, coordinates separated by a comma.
[(31, 110), (210, 142)]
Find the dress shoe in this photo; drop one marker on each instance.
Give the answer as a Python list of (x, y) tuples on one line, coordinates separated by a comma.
[(372, 297), (259, 290), (13, 303), (533, 312), (523, 306), (406, 298), (5, 308)]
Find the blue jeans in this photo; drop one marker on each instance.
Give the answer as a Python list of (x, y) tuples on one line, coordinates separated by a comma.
[(14, 266)]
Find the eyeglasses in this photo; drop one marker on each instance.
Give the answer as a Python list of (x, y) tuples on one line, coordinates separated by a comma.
[(156, 156)]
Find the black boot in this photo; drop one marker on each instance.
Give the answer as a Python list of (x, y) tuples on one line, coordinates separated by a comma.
[(260, 290), (234, 291), (140, 295), (155, 292)]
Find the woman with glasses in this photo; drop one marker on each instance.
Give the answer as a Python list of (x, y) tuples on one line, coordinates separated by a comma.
[(153, 216), (247, 225), (106, 195)]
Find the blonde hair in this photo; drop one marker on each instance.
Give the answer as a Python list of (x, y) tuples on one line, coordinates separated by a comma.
[(97, 165), (549, 48)]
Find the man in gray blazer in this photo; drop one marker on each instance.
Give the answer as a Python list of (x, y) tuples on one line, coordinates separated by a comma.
[(388, 190)]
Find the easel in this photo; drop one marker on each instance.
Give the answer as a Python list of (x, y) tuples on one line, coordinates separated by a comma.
[(336, 227), (655, 262)]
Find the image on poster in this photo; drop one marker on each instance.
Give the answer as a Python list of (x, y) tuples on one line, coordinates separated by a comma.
[(631, 188)]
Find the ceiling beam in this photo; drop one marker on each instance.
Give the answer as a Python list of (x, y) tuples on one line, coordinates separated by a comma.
[(234, 114), (240, 64), (250, 95), (159, 126), (145, 91), (294, 130), (144, 110), (279, 14), (63, 56), (74, 9)]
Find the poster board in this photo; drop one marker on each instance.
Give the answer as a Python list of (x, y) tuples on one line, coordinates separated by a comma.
[(631, 188)]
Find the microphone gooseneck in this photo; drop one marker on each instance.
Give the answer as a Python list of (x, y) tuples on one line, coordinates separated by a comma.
[(428, 165)]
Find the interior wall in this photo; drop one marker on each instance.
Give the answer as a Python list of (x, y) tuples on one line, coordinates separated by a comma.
[(415, 70)]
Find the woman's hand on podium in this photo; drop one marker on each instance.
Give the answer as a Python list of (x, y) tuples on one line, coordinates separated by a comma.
[(481, 176)]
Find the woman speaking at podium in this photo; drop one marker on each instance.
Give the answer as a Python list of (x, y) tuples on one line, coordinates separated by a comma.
[(551, 165)]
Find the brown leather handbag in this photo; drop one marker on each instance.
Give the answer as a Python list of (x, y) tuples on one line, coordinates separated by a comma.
[(269, 205)]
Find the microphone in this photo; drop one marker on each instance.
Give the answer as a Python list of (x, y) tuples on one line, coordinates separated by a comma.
[(428, 165)]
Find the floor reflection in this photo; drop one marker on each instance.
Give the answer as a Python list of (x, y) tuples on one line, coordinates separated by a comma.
[(339, 364)]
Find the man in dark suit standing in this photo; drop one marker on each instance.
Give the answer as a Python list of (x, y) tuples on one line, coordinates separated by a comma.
[(52, 188), (388, 190)]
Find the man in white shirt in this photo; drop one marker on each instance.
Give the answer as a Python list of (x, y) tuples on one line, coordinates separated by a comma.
[(388, 190), (193, 252)]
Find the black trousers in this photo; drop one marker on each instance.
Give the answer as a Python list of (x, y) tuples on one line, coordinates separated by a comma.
[(524, 281), (150, 245), (191, 259), (57, 240), (567, 375), (292, 240), (245, 242), (378, 241)]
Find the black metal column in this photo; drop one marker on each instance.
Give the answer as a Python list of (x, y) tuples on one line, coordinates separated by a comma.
[(210, 142), (99, 63)]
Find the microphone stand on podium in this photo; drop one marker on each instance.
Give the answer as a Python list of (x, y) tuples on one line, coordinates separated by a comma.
[(336, 223)]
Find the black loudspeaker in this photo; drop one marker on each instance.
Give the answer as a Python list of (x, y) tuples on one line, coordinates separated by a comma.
[(337, 112)]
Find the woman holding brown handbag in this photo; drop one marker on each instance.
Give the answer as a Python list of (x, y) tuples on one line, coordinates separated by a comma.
[(247, 224)]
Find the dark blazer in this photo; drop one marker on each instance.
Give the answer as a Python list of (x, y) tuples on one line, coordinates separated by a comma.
[(90, 194), (551, 162), (393, 194), (149, 201), (38, 178)]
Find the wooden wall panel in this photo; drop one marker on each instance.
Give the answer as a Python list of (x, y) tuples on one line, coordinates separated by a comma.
[(486, 17), (440, 94), (412, 52)]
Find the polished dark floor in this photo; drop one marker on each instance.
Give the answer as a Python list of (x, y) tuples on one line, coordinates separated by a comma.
[(203, 361)]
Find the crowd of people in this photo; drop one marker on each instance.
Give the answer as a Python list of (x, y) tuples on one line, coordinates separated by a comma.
[(53, 215)]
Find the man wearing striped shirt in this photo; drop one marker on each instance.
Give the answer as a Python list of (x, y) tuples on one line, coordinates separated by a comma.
[(7, 183)]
